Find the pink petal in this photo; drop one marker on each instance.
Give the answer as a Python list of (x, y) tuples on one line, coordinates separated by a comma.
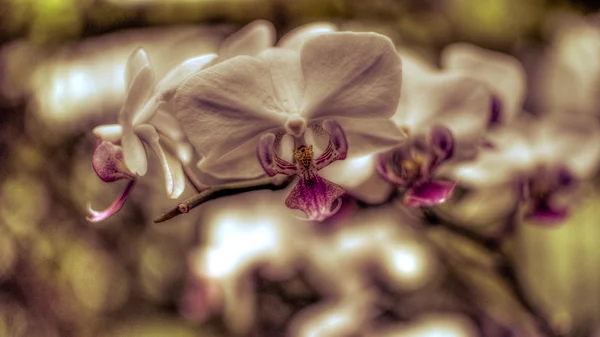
[(429, 193), (108, 163), (354, 75), (112, 209), (548, 215), (315, 197)]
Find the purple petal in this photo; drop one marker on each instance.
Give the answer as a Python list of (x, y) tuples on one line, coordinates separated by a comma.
[(429, 193), (337, 149), (545, 214), (269, 160), (315, 197), (108, 163), (112, 209), (442, 145), (495, 111), (383, 166)]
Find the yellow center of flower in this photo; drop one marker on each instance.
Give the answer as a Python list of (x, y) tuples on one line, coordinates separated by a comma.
[(304, 156), (411, 168)]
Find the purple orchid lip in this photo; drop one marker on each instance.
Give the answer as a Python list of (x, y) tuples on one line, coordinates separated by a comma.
[(495, 111), (429, 193), (108, 162), (545, 214), (113, 208), (318, 198)]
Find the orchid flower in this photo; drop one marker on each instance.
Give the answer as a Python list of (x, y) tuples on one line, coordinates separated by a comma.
[(503, 75), (567, 76), (344, 86), (541, 158), (444, 115), (120, 153)]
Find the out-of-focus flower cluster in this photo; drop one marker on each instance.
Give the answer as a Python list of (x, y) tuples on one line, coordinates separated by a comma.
[(390, 153)]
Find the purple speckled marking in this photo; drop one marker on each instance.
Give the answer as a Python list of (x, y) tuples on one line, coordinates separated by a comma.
[(109, 164)]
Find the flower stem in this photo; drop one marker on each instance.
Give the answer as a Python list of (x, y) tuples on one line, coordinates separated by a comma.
[(225, 190), (505, 267)]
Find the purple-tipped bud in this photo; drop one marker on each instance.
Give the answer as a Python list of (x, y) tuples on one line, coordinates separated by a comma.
[(429, 193)]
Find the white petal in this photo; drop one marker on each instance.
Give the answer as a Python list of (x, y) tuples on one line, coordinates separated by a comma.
[(356, 75), (149, 135), (225, 106), (295, 38), (251, 40), (137, 61), (177, 174), (134, 152), (167, 125), (138, 94), (110, 132), (502, 73), (368, 136), (165, 89), (288, 80), (456, 101)]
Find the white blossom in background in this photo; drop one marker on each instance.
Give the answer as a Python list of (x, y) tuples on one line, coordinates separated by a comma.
[(444, 114), (539, 160)]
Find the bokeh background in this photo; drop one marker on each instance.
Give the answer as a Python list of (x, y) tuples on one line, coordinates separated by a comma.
[(61, 66)]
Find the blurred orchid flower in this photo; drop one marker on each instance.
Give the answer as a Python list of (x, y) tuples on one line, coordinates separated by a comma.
[(340, 86), (568, 73), (445, 115), (541, 158), (144, 118), (503, 74)]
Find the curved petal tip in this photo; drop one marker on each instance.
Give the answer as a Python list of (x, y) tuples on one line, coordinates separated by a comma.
[(113, 208)]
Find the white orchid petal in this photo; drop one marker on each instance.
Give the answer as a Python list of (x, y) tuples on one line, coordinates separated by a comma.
[(165, 89), (502, 73), (178, 176), (138, 94), (137, 61), (110, 132), (239, 163), (167, 125), (149, 135), (295, 38), (225, 106), (288, 80), (251, 40), (356, 75), (368, 136), (134, 152), (460, 103)]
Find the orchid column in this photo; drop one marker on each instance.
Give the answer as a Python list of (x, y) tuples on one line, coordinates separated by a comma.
[(343, 87)]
